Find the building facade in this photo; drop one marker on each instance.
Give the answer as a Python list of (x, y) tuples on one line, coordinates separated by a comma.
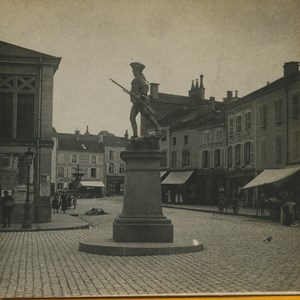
[(26, 108), (79, 155), (114, 166)]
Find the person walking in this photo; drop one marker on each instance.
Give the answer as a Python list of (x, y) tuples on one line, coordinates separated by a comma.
[(74, 201), (63, 202), (55, 203), (8, 204)]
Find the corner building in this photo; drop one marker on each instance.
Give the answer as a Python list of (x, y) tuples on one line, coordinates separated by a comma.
[(26, 107)]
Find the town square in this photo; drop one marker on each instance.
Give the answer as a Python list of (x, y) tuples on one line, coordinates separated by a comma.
[(149, 148)]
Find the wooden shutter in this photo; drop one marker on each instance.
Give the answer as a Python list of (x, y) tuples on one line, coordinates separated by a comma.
[(242, 154), (252, 153)]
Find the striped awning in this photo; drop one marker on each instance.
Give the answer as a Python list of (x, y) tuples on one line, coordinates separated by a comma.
[(177, 177)]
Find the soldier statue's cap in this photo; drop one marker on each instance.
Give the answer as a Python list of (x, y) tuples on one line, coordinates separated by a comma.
[(137, 65)]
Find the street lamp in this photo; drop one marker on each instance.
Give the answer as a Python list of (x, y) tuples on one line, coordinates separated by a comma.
[(27, 220)]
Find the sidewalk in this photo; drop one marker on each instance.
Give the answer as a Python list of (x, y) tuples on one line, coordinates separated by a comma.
[(214, 209), (69, 220), (60, 221)]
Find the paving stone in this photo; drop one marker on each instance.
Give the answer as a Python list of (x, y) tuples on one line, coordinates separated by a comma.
[(235, 258)]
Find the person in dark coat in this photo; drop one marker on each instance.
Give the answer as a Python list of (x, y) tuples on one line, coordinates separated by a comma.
[(55, 203), (69, 199), (63, 202), (8, 204)]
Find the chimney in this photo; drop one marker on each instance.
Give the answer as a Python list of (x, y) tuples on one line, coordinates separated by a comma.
[(202, 89), (126, 135), (290, 68), (77, 135), (154, 90), (100, 137), (236, 93), (193, 85), (197, 84), (87, 130), (212, 101), (229, 94)]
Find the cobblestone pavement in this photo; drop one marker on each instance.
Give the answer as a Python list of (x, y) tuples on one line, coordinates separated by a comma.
[(235, 259)]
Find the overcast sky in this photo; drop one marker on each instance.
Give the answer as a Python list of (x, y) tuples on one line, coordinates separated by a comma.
[(236, 45)]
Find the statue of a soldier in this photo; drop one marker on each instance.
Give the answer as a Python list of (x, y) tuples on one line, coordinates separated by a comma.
[(139, 88)]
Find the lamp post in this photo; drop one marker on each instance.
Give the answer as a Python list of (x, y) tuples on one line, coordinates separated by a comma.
[(27, 220)]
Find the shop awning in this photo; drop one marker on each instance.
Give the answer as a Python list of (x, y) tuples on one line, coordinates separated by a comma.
[(163, 173), (177, 177), (91, 184), (270, 176)]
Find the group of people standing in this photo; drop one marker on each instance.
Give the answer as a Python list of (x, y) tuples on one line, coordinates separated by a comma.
[(63, 202)]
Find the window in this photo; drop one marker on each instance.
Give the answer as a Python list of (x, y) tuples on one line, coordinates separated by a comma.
[(296, 145), (248, 121), (247, 153), (60, 158), (238, 124), (263, 151), (60, 186), (94, 159), (163, 136), (217, 156), (219, 135), (230, 128), (111, 168), (74, 159), (122, 168), (186, 139), (174, 141), (237, 154), (174, 159), (205, 159), (185, 158), (111, 154), (93, 173), (206, 136), (61, 172), (163, 161), (278, 149), (229, 156), (295, 106), (278, 111), (263, 116), (17, 102)]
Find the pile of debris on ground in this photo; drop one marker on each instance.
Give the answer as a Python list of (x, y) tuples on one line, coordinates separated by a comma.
[(95, 212), (296, 224)]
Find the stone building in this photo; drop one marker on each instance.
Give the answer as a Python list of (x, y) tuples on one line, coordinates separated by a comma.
[(264, 127), (80, 154), (114, 166), (26, 108)]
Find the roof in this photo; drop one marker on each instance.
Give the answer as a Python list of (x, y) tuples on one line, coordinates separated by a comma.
[(209, 119), (269, 88), (88, 142), (85, 143), (114, 141), (10, 51)]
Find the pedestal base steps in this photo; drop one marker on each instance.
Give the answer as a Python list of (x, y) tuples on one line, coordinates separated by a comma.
[(111, 248)]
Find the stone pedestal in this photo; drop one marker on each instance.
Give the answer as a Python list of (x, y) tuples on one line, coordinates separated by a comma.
[(142, 219)]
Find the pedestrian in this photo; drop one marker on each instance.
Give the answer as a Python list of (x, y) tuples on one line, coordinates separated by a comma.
[(8, 204), (55, 203), (69, 200), (74, 201), (63, 202)]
